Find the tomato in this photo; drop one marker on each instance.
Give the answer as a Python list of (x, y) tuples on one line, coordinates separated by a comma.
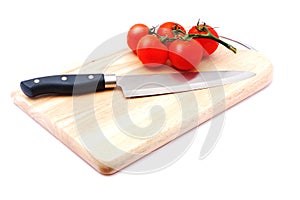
[(185, 54), (151, 51), (166, 29), (135, 33), (209, 45)]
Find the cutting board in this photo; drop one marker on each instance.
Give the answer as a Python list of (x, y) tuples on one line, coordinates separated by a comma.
[(110, 132)]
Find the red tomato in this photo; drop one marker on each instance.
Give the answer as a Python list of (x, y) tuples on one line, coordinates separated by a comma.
[(209, 45), (151, 51), (166, 29), (185, 54), (135, 33)]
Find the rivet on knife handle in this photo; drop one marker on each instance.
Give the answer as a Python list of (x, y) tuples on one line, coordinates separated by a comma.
[(67, 84)]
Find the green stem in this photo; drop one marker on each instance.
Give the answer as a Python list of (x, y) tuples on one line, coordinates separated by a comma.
[(209, 35), (152, 30)]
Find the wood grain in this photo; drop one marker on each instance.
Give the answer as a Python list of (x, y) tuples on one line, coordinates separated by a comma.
[(110, 132)]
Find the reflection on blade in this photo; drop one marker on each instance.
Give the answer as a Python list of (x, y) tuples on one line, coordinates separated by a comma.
[(154, 84)]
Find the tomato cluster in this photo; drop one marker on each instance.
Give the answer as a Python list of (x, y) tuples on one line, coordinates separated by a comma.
[(171, 41)]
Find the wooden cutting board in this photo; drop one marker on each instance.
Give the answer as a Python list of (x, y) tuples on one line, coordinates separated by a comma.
[(110, 132)]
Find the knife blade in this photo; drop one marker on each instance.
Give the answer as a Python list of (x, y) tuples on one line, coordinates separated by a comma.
[(132, 85)]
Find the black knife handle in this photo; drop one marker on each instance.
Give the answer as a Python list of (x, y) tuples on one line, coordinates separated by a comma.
[(69, 84)]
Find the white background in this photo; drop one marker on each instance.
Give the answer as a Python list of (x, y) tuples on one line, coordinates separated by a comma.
[(258, 155)]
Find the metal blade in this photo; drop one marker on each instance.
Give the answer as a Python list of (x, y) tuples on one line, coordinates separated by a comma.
[(155, 84)]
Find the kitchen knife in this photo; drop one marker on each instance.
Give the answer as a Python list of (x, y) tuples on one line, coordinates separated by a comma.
[(132, 85)]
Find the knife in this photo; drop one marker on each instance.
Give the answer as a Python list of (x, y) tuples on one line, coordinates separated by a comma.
[(132, 85)]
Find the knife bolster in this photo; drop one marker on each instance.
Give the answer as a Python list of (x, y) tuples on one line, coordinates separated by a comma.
[(110, 81)]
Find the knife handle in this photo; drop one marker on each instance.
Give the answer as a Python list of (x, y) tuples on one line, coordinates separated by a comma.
[(69, 84)]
